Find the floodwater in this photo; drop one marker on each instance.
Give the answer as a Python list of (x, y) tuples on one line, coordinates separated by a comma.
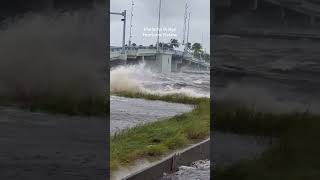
[(274, 75), (199, 170), (141, 78), (277, 75), (128, 112)]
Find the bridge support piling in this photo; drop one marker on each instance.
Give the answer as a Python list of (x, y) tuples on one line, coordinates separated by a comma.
[(255, 5), (49, 5), (283, 16), (312, 20), (174, 66), (163, 62)]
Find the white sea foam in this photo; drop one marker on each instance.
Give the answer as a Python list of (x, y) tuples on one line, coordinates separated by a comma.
[(139, 78)]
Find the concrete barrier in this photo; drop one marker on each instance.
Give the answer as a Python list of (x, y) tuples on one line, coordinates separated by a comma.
[(171, 163), (271, 34)]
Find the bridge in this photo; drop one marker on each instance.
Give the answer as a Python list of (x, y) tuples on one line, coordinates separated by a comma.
[(13, 8), (308, 8), (166, 60), (273, 18)]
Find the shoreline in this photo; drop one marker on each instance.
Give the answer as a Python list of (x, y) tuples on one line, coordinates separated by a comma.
[(147, 141), (296, 143)]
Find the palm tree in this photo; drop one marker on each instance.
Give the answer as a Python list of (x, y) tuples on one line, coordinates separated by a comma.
[(206, 57), (197, 49), (160, 44), (166, 46), (174, 43), (189, 45)]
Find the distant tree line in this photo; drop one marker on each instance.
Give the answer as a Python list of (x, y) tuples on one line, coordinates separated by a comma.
[(195, 48)]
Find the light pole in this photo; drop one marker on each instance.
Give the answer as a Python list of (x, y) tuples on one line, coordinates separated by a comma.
[(124, 14), (130, 36), (159, 25), (188, 31), (184, 23)]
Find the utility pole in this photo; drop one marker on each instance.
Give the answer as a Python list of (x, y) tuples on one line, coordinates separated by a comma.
[(159, 26), (185, 24), (124, 14), (188, 32), (49, 5), (130, 36), (202, 38), (124, 31), (202, 45)]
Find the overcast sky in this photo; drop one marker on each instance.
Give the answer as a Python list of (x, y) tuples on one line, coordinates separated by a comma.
[(145, 15)]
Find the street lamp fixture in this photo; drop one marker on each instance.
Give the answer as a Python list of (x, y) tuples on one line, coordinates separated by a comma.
[(124, 19)]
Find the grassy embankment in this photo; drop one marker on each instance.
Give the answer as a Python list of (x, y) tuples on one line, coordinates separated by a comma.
[(59, 104), (296, 154), (158, 138)]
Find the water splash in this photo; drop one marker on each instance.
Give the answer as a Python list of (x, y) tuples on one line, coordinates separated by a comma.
[(140, 78), (56, 54), (129, 78), (199, 170)]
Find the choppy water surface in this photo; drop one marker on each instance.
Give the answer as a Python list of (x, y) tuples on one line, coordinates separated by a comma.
[(128, 112), (141, 78), (274, 74)]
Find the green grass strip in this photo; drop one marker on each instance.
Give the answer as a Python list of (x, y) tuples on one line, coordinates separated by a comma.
[(295, 156), (152, 140), (88, 106)]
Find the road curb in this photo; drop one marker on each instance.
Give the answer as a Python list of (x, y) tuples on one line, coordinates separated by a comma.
[(199, 151)]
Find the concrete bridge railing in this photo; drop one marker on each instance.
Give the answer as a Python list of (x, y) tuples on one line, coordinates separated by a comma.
[(114, 55), (133, 52)]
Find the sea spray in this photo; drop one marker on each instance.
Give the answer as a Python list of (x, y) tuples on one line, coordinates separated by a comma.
[(129, 78), (44, 58), (140, 78)]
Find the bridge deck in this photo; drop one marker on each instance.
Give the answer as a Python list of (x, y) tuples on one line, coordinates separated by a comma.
[(308, 7), (116, 52)]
